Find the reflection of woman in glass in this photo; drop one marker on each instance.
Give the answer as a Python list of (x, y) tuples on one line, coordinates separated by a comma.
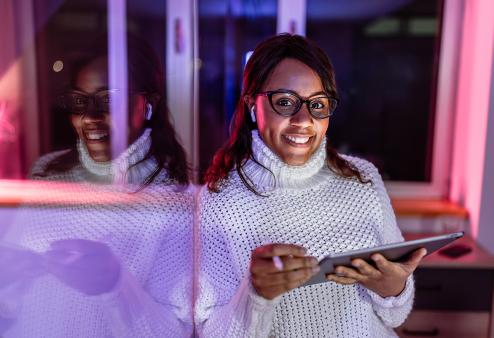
[(114, 263), (277, 180), (154, 153)]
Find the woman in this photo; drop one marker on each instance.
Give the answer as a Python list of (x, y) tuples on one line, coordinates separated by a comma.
[(154, 153), (118, 262), (278, 197)]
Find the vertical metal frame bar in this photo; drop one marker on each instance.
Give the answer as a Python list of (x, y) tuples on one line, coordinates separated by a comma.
[(292, 16), (118, 77), (182, 75)]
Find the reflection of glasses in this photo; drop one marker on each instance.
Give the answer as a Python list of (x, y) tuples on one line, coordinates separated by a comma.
[(78, 102), (287, 103)]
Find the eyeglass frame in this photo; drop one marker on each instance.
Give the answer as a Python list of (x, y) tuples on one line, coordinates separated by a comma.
[(92, 97), (269, 94)]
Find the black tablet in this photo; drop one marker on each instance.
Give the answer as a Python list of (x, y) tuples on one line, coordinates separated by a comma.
[(395, 252)]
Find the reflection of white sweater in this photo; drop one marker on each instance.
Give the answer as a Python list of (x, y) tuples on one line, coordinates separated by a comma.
[(309, 206), (149, 231)]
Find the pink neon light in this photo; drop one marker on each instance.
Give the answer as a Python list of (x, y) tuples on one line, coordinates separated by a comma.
[(7, 130), (472, 107), (22, 192)]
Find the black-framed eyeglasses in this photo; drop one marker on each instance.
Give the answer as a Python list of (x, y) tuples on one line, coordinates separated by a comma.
[(78, 102), (288, 103)]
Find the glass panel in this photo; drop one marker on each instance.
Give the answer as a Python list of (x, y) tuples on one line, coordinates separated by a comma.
[(385, 56), (99, 241), (36, 69), (228, 30)]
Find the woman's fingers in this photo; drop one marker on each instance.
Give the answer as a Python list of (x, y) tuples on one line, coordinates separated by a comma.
[(341, 279), (383, 265), (288, 263), (278, 268), (278, 249), (413, 261), (365, 268), (297, 277)]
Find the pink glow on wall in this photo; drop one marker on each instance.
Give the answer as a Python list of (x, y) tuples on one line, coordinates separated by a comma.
[(472, 105), (10, 143)]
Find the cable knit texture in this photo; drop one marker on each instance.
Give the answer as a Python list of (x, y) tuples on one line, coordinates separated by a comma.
[(149, 231), (329, 214)]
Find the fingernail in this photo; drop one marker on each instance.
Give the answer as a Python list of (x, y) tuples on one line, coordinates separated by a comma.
[(316, 269), (313, 261)]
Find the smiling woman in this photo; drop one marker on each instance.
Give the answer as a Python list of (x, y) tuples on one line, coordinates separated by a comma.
[(154, 153), (279, 197), (297, 138)]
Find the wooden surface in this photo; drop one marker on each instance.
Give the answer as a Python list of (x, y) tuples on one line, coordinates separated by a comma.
[(428, 208)]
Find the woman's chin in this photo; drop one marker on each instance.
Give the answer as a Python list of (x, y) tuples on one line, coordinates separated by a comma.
[(99, 155)]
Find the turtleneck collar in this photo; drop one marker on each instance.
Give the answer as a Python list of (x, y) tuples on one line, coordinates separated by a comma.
[(280, 174), (122, 169)]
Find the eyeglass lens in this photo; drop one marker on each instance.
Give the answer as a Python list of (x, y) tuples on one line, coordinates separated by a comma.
[(78, 103), (287, 104)]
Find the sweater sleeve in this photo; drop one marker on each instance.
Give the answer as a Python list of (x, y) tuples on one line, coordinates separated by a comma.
[(392, 310), (227, 305)]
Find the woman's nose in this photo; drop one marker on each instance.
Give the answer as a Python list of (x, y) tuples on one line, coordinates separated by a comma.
[(93, 115), (302, 118)]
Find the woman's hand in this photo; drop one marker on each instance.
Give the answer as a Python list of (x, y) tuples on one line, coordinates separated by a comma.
[(386, 279), (278, 268), (87, 266)]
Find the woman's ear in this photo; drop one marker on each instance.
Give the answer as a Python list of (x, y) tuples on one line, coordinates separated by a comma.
[(153, 99), (249, 101)]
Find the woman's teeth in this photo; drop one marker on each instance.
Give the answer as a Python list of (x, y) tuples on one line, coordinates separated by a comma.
[(298, 140), (96, 136)]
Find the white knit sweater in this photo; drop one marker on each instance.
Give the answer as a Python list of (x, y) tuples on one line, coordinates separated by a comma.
[(149, 232), (306, 205)]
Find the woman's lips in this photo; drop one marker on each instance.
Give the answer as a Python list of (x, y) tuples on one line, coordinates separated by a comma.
[(298, 140)]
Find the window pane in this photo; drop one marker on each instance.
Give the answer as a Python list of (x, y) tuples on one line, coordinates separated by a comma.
[(385, 57), (228, 30), (46, 44)]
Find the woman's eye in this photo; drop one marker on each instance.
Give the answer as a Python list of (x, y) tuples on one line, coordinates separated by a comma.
[(316, 105), (79, 100), (284, 103)]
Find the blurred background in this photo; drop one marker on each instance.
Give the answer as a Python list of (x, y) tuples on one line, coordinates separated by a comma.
[(414, 76)]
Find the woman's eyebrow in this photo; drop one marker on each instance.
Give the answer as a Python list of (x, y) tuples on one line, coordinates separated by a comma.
[(292, 91), (97, 89), (317, 93), (102, 88)]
